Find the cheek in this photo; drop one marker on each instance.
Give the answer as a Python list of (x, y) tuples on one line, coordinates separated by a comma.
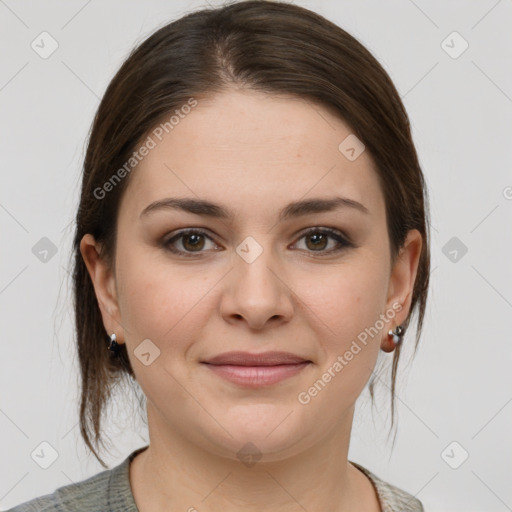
[(154, 298), (346, 310), (162, 305), (345, 300)]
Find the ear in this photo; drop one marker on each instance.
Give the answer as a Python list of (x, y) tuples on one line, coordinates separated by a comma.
[(104, 283), (401, 284)]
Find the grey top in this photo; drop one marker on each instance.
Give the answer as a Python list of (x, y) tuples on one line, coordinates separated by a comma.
[(110, 491)]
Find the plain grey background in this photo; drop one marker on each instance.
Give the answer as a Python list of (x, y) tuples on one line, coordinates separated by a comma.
[(454, 399)]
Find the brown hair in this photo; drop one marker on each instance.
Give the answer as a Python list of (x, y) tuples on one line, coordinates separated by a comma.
[(266, 46)]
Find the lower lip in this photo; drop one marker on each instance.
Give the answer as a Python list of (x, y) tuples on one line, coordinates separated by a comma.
[(256, 376)]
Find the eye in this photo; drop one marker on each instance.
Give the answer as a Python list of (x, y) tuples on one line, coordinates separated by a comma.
[(190, 240), (317, 240)]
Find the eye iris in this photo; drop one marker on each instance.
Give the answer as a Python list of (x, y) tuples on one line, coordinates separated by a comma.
[(317, 237), (193, 236)]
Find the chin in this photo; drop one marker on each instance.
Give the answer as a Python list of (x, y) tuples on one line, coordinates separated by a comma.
[(266, 433)]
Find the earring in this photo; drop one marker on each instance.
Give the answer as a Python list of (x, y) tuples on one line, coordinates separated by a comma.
[(397, 334), (113, 346)]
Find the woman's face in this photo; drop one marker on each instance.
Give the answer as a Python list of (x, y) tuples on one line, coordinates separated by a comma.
[(254, 281)]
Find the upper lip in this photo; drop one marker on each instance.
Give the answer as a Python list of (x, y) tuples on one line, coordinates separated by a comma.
[(262, 359)]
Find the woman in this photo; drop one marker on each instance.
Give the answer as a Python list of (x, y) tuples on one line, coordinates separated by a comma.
[(252, 231)]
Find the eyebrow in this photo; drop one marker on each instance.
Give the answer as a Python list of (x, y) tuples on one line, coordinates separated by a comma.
[(292, 210)]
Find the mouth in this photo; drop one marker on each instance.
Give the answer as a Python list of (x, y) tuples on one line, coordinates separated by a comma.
[(255, 370)]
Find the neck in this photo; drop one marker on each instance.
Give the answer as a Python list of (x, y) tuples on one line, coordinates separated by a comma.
[(175, 474)]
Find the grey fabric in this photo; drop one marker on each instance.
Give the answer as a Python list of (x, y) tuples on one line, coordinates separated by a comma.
[(392, 499), (109, 491)]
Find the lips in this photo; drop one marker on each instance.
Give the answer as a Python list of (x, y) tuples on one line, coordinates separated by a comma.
[(263, 359), (256, 370)]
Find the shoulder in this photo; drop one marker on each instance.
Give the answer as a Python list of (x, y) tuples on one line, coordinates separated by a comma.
[(89, 494), (78, 496), (392, 499), (108, 491)]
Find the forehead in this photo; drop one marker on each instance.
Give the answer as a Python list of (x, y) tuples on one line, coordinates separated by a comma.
[(253, 151)]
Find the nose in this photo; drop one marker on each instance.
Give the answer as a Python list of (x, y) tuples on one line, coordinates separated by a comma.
[(257, 294)]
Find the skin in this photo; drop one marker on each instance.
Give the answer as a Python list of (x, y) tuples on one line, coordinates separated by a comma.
[(253, 153)]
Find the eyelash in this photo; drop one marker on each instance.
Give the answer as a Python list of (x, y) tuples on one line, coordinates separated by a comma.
[(343, 242)]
